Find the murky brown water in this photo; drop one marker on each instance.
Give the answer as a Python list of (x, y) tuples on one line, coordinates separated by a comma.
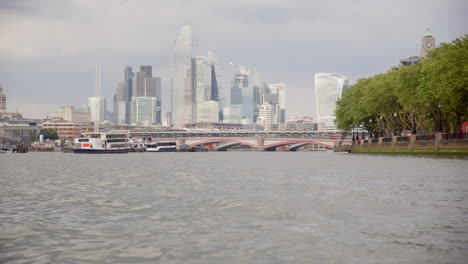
[(232, 207)]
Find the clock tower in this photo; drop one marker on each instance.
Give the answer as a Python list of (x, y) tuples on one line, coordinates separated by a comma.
[(428, 43)]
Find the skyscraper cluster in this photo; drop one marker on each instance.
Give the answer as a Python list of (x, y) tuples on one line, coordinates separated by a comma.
[(194, 88), (197, 94), (254, 101), (137, 99)]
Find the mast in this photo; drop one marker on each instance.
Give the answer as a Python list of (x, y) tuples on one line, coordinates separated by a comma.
[(97, 95)]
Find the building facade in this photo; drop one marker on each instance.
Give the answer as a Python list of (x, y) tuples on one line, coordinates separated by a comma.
[(182, 88), (71, 114), (208, 112), (328, 89), (65, 130), (97, 108), (279, 89), (266, 115), (144, 110), (208, 107)]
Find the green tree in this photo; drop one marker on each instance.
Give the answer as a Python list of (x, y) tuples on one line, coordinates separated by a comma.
[(413, 97), (49, 133)]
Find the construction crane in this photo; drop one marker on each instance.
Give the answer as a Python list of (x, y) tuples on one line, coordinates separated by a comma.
[(241, 69)]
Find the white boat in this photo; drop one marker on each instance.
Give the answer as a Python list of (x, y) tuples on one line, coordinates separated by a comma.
[(103, 143), (161, 147)]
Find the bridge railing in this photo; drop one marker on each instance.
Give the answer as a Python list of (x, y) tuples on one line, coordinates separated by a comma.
[(298, 135)]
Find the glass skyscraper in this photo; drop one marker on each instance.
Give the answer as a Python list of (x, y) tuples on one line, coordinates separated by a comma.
[(182, 89), (328, 89), (144, 109)]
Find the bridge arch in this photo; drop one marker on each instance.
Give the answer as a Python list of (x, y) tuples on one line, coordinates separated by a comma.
[(229, 142), (295, 144)]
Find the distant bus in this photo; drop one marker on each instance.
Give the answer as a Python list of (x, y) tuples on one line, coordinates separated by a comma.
[(161, 147), (335, 137)]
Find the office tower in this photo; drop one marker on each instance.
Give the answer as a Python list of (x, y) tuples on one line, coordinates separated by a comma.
[(143, 110), (428, 43), (208, 112), (214, 85), (139, 84), (158, 97), (119, 96), (279, 89), (232, 113), (128, 91), (128, 83), (2, 101), (266, 115), (202, 79), (182, 88), (206, 85), (97, 108), (328, 89), (147, 69), (120, 110), (247, 105), (240, 81)]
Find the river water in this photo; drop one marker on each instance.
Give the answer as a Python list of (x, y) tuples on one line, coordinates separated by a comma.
[(232, 207)]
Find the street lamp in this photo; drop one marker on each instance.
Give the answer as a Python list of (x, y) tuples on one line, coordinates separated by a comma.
[(439, 125), (370, 124), (362, 130), (413, 131), (395, 132), (381, 126)]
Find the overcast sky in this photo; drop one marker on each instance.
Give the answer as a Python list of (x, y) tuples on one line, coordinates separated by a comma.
[(49, 48)]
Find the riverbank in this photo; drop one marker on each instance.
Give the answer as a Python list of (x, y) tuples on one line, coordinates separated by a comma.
[(432, 144)]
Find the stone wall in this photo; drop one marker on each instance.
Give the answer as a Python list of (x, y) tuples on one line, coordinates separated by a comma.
[(438, 143)]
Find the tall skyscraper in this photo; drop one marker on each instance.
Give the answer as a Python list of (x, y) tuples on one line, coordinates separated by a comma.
[(128, 82), (240, 81), (144, 110), (202, 79), (328, 89), (128, 91), (2, 101), (206, 87), (139, 84), (147, 69), (182, 88), (97, 108), (118, 99), (280, 90)]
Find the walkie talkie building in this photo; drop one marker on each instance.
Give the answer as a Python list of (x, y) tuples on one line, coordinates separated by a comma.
[(328, 89)]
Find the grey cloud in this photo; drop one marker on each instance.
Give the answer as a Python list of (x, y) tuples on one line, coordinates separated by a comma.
[(286, 41)]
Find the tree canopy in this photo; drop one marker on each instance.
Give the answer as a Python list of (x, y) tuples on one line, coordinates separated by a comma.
[(49, 133), (429, 96)]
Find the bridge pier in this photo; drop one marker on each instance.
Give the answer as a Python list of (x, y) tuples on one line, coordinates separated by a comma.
[(182, 141), (261, 144)]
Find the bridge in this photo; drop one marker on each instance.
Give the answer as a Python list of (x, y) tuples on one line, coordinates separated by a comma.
[(259, 141)]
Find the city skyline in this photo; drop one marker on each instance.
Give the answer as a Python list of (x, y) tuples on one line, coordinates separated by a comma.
[(284, 42)]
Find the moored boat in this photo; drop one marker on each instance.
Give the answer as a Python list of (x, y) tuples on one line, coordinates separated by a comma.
[(162, 147), (114, 142)]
